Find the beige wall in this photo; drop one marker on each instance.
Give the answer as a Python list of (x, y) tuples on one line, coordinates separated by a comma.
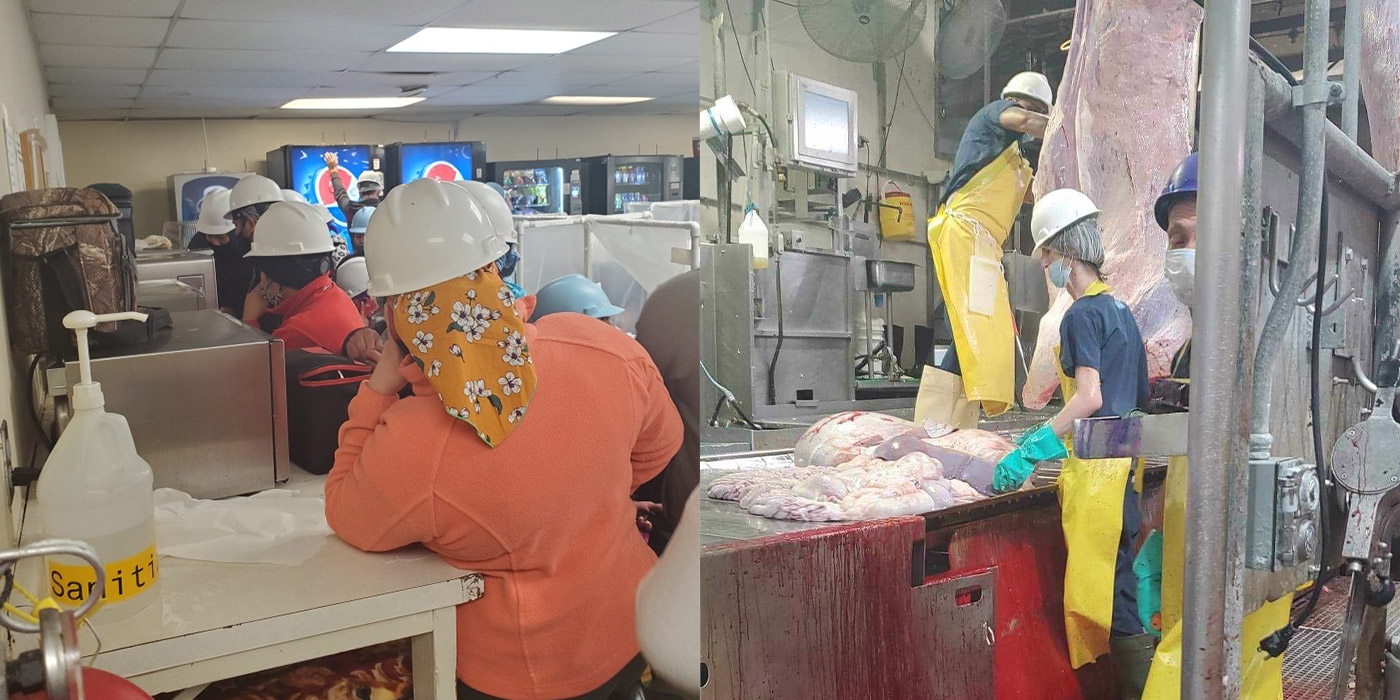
[(143, 154), (25, 99)]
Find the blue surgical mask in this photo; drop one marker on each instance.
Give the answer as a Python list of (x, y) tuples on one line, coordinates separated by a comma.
[(1059, 273)]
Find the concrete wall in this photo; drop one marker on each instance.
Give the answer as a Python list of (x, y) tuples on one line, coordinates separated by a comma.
[(143, 154), (911, 163), (26, 101)]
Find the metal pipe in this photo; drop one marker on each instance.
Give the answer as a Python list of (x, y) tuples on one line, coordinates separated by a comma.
[(1345, 160), (1351, 69), (1308, 223), (1387, 302), (1215, 351)]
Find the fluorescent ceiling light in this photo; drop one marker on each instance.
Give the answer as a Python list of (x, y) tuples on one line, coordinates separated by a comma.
[(508, 41), (352, 102), (593, 100)]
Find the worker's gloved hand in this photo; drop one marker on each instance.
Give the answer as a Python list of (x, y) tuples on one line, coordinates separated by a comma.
[(1037, 445), (1021, 440), (1011, 472)]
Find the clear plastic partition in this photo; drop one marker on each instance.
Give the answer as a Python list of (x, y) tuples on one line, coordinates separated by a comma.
[(630, 259)]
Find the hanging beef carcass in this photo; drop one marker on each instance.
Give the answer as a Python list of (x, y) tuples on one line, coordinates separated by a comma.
[(1122, 121), (1380, 78)]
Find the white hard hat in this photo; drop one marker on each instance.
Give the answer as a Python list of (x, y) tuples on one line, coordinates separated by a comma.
[(1054, 213), (1031, 85), (290, 228), (352, 276), (369, 176), (295, 196), (211, 214), (254, 189), (427, 232)]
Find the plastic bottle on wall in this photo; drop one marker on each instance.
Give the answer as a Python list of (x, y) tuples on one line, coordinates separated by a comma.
[(754, 233), (94, 487)]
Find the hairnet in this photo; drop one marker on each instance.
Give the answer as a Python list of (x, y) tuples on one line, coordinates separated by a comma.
[(1080, 241)]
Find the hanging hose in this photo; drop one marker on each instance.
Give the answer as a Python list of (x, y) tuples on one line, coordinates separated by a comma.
[(777, 349)]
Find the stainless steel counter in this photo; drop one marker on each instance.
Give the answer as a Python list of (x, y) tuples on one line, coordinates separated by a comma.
[(206, 402)]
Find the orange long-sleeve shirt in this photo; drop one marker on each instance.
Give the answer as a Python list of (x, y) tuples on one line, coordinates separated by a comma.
[(546, 515)]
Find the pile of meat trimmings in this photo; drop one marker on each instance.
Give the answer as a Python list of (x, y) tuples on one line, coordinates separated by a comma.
[(859, 466)]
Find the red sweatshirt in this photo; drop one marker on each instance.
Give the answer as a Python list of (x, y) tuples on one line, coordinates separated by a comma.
[(317, 315), (546, 515)]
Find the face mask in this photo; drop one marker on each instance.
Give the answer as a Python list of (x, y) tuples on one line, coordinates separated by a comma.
[(1059, 273), (1180, 267)]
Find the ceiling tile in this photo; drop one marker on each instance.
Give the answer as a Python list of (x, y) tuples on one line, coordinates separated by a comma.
[(78, 115), (637, 44), (60, 103), (574, 63), (669, 81), (401, 79), (195, 112), (239, 78), (684, 23), (252, 94), (98, 31), (588, 15), (76, 56), (473, 95), (93, 90), (438, 62), (692, 68), (225, 59), (374, 91), (341, 12), (95, 76), (116, 8), (539, 110), (282, 36)]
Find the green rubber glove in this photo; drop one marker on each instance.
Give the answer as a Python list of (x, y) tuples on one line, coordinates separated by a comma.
[(1147, 566), (1011, 472), (1032, 431), (1043, 445)]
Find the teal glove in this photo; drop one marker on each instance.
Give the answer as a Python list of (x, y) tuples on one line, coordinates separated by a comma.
[(1038, 445), (1148, 569), (1027, 435), (1044, 445), (1011, 472)]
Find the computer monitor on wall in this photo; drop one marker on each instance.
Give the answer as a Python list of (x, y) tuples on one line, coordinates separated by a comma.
[(823, 126)]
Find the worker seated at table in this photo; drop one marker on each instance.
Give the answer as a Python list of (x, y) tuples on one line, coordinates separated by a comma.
[(1263, 679), (990, 180), (669, 329), (295, 298), (575, 294), (514, 457), (1103, 368), (233, 274)]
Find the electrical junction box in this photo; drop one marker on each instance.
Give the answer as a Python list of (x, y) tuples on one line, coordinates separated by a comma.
[(1282, 526)]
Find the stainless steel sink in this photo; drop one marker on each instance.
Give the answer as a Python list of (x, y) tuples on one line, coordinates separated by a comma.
[(887, 276)]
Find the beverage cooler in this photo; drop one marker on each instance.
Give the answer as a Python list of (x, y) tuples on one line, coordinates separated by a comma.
[(441, 160), (190, 189), (610, 183), (303, 168), (538, 186)]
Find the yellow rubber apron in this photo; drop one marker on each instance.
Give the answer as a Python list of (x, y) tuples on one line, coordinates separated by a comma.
[(1263, 677), (1091, 512), (965, 238)]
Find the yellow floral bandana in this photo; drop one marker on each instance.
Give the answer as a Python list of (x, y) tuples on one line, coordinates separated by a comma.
[(469, 340)]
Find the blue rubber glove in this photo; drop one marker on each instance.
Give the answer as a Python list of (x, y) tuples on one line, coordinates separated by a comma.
[(1011, 472)]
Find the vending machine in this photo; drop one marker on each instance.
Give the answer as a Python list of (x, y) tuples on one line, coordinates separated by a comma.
[(190, 189), (537, 186), (609, 183), (303, 168), (444, 160)]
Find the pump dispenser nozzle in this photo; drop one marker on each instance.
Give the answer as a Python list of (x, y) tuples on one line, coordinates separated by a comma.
[(87, 394)]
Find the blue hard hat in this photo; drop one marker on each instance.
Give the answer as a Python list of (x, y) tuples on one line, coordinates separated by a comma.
[(574, 294), (361, 221), (1181, 183)]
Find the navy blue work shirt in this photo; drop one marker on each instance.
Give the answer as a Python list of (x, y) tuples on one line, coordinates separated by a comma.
[(1100, 332), (983, 140)]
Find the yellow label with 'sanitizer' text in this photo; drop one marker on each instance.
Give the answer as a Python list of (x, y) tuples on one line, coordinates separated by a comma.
[(126, 579)]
